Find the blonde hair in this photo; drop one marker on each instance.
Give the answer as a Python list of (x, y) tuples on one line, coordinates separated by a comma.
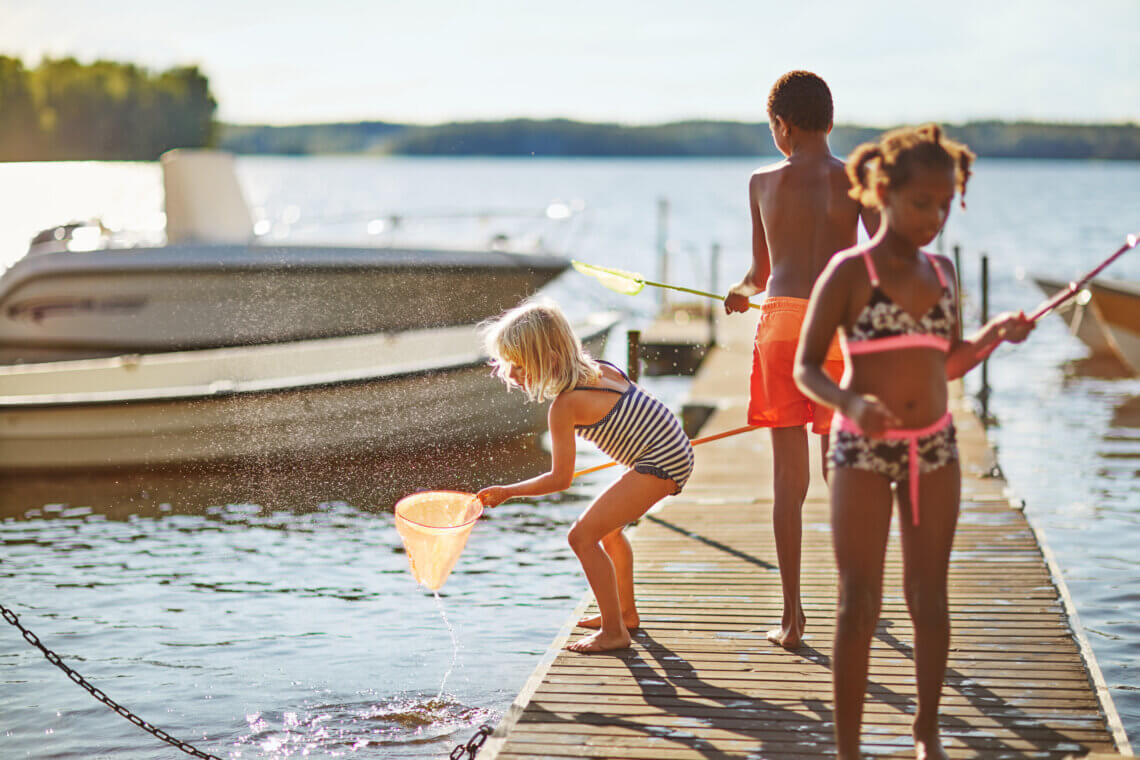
[(536, 337)]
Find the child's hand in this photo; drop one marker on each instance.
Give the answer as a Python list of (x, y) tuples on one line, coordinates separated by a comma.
[(736, 302), (1015, 327), (492, 496), (872, 417)]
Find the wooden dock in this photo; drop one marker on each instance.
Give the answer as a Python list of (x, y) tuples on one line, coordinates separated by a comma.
[(701, 681)]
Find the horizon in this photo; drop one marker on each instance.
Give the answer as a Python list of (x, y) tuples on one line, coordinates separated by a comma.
[(445, 61), (837, 125)]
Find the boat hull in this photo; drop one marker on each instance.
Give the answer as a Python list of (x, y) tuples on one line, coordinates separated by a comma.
[(421, 390), (1117, 305), (1080, 319), (71, 305)]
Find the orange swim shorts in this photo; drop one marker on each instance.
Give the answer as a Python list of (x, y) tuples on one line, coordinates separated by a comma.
[(775, 400)]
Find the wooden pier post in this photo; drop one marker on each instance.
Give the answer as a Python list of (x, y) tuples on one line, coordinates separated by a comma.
[(984, 393), (633, 355), (662, 250)]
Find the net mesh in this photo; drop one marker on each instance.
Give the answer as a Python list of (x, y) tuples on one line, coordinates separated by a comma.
[(434, 526), (617, 280)]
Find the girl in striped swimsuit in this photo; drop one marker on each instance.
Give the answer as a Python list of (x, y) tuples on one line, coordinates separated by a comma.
[(534, 348)]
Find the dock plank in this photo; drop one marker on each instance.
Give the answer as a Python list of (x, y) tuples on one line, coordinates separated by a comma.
[(701, 681)]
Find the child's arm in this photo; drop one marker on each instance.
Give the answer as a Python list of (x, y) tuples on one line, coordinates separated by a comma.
[(829, 299), (968, 353), (562, 451), (756, 278)]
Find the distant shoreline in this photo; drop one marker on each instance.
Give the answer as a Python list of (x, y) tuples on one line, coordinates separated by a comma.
[(564, 138), (567, 138), (65, 110)]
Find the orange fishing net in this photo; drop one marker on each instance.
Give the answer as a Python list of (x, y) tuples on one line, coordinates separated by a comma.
[(434, 526)]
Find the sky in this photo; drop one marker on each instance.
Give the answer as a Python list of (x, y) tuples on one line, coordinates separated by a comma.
[(634, 62)]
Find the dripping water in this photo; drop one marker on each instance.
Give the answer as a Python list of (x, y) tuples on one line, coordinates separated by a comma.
[(454, 644)]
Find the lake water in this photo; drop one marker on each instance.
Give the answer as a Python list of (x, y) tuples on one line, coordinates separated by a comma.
[(270, 613)]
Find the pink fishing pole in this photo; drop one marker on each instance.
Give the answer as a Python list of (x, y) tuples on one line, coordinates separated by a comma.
[(1075, 287)]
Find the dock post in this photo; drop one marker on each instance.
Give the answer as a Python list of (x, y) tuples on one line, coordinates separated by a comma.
[(662, 250), (633, 354), (714, 287), (958, 284), (984, 393)]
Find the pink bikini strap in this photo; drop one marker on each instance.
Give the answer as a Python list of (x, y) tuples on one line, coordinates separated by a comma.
[(871, 269), (913, 474), (937, 270), (874, 275)]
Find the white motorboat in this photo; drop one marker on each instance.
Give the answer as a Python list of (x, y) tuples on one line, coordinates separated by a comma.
[(214, 283), (393, 392)]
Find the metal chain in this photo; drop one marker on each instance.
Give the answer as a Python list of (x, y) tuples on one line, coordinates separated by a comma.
[(54, 659), (475, 743)]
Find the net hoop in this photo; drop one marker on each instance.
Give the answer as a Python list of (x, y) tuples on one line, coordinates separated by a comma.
[(458, 526)]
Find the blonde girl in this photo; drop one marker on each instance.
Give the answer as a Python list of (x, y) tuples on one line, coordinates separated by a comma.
[(533, 347), (895, 309)]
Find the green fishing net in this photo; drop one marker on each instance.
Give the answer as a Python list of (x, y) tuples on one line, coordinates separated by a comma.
[(626, 283)]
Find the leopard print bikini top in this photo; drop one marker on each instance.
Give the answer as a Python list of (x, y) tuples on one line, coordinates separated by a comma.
[(883, 325)]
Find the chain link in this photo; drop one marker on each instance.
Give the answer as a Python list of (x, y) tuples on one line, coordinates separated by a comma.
[(474, 744), (54, 659)]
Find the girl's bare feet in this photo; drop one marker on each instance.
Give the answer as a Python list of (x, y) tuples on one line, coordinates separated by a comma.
[(600, 642), (787, 635), (632, 621), (929, 748)]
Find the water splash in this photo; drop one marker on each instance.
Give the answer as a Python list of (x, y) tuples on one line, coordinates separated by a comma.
[(340, 729), (454, 645)]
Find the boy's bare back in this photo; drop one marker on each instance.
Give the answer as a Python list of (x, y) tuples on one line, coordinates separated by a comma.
[(802, 215)]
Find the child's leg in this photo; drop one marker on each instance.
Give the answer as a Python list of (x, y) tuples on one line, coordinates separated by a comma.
[(623, 502), (617, 546), (926, 558), (790, 480), (860, 526)]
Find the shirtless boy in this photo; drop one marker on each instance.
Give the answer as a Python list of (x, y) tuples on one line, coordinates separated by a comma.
[(802, 213)]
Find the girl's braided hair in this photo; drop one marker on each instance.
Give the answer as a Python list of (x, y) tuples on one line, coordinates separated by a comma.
[(891, 161)]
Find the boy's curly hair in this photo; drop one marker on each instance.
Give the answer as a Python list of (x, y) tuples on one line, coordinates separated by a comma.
[(891, 161), (802, 99)]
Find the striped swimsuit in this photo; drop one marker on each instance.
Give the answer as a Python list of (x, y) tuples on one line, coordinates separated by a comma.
[(642, 434)]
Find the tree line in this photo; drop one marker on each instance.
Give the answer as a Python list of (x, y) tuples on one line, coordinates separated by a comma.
[(564, 137), (65, 110)]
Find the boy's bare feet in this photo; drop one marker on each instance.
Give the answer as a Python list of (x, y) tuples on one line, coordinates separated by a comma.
[(600, 642), (787, 635), (929, 748), (632, 621)]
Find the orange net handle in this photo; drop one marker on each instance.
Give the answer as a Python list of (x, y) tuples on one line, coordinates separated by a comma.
[(695, 442)]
